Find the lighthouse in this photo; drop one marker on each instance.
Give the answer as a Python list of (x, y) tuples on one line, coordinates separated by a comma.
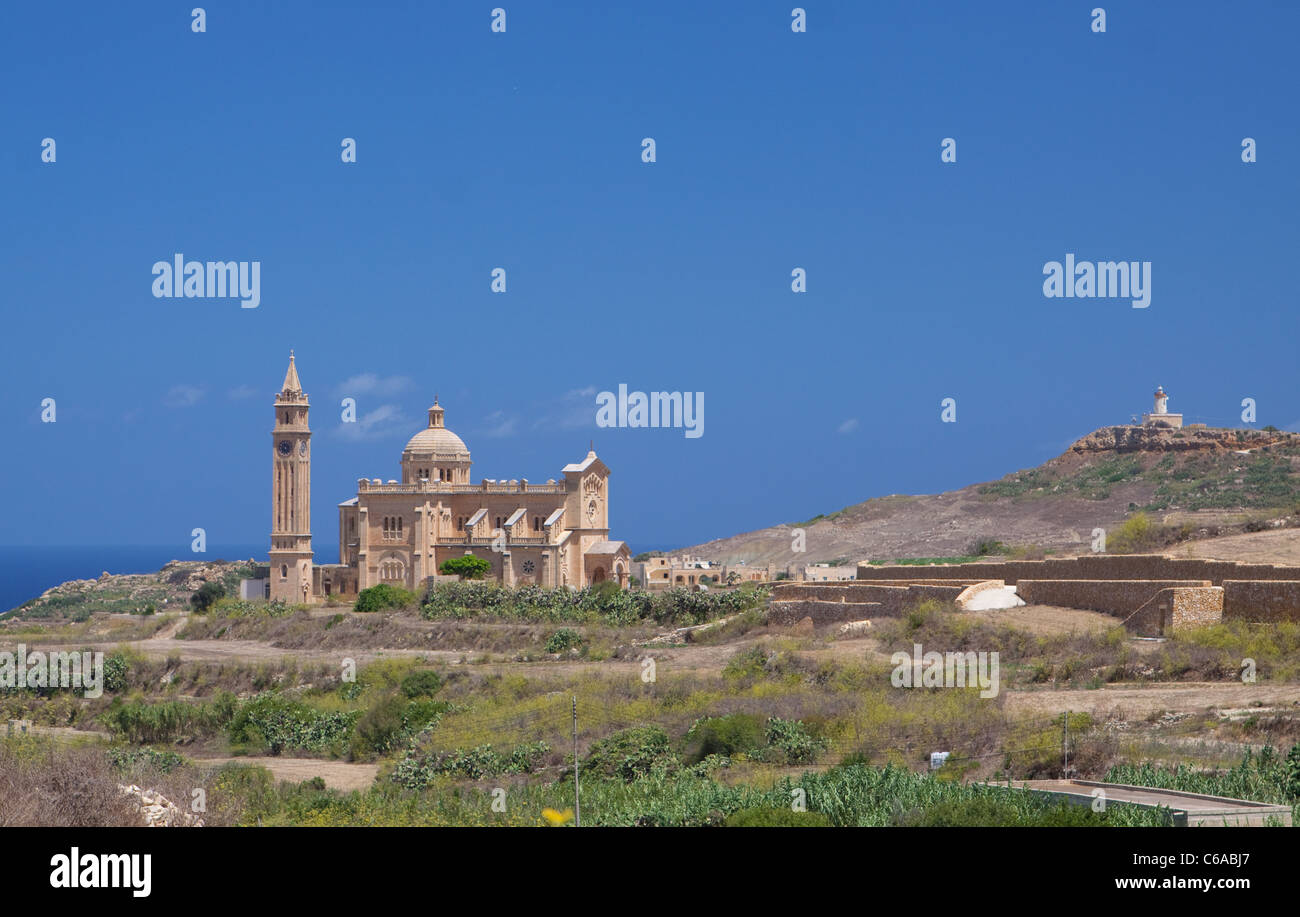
[(1160, 416)]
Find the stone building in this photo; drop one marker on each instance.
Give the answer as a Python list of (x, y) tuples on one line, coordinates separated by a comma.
[(826, 573), (400, 531)]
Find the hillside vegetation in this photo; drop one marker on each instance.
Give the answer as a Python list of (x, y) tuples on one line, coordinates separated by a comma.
[(1209, 481)]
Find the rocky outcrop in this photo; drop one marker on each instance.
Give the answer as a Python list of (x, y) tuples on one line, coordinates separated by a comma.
[(169, 588), (1163, 439), (157, 811)]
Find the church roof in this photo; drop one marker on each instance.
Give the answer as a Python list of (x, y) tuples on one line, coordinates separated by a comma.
[(291, 383), (584, 464), (437, 439)]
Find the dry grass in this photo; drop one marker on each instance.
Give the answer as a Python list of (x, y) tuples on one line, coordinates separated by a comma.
[(49, 784)]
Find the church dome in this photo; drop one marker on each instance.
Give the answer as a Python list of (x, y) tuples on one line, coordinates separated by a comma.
[(440, 441), (436, 439)]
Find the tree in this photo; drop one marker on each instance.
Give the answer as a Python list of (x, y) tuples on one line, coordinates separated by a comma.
[(467, 567), (207, 596)]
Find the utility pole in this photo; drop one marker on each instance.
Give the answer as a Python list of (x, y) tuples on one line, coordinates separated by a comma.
[(577, 804), (1065, 744)]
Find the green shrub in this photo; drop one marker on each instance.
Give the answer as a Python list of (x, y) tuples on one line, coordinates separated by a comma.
[(415, 773), (116, 665), (384, 595), (990, 812), (206, 596), (734, 734), (983, 547), (277, 723), (772, 817), (564, 640), (164, 762), (605, 603), (379, 729), (422, 683), (633, 753), (142, 722), (789, 742)]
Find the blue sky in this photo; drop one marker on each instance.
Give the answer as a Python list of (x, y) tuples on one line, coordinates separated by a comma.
[(522, 150)]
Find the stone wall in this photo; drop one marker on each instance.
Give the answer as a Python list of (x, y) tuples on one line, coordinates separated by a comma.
[(1086, 567), (1114, 597), (1265, 602), (792, 612), (1195, 607), (885, 600), (1153, 593), (853, 592)]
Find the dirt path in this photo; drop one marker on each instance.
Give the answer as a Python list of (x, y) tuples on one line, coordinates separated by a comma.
[(1137, 702), (1277, 546), (251, 650), (1048, 620), (338, 775)]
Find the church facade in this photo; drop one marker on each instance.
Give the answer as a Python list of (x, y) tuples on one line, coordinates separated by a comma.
[(400, 531)]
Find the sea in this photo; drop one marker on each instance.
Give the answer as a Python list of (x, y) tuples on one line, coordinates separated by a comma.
[(26, 571)]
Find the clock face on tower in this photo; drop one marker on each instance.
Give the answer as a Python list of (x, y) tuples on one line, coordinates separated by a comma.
[(285, 447), (302, 448)]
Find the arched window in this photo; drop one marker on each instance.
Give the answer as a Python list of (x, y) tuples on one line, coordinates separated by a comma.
[(284, 571)]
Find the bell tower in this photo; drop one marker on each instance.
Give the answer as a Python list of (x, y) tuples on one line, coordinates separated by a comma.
[(291, 577)]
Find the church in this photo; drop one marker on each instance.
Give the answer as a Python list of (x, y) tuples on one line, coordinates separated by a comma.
[(399, 532)]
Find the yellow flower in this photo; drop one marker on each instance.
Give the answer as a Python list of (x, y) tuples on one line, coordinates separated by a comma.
[(555, 818)]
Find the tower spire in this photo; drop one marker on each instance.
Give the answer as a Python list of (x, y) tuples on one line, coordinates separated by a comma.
[(291, 383)]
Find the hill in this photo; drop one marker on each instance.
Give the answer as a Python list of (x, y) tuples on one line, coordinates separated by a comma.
[(1200, 483)]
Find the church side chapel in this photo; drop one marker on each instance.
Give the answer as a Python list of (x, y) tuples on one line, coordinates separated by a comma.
[(400, 531)]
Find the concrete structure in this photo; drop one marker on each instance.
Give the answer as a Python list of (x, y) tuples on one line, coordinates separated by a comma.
[(1160, 416), (1150, 594), (399, 532), (682, 571), (1189, 810), (735, 574), (259, 588), (825, 573)]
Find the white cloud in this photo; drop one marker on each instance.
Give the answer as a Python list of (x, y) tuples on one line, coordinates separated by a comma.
[(385, 421), (372, 384), (499, 424), (239, 392), (573, 410), (183, 396), (848, 426)]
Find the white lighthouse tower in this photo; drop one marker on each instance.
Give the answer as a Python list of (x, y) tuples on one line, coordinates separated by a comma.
[(1160, 417)]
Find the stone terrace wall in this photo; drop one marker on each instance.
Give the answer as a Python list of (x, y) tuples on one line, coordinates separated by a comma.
[(1261, 601), (1195, 607), (886, 600), (922, 591), (1177, 608), (1087, 567), (1114, 597), (792, 612)]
